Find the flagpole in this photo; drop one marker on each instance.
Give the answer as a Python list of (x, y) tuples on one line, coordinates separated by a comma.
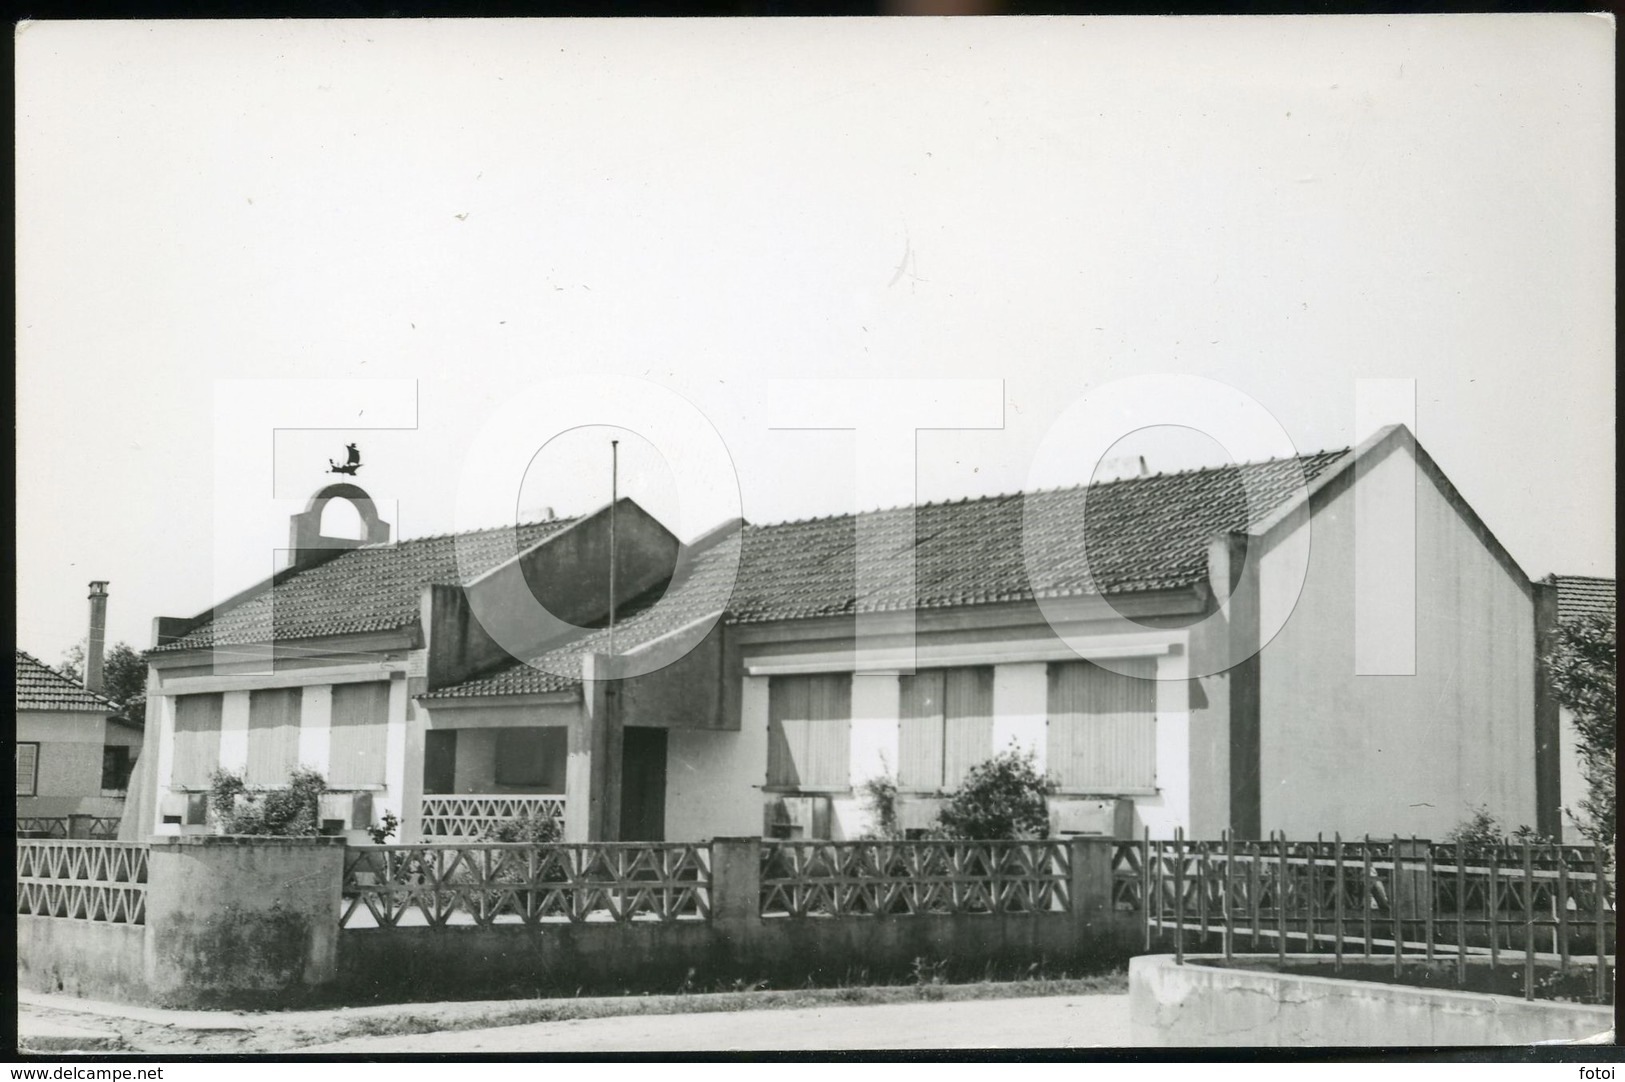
[(614, 496)]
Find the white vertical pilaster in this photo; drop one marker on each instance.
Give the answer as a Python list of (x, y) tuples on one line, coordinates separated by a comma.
[(316, 728), (164, 774), (873, 748), (753, 718), (875, 709), (1170, 809), (1021, 708), (234, 731), (394, 796)]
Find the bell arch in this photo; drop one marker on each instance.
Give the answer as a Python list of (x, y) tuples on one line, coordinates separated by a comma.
[(307, 544)]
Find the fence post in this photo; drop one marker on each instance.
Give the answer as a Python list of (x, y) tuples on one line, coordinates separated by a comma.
[(240, 920), (1094, 913), (736, 883), (79, 825), (1417, 889)]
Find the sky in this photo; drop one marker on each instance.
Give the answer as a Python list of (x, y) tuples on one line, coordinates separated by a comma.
[(727, 209)]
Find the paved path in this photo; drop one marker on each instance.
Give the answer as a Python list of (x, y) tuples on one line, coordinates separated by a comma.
[(1038, 1022)]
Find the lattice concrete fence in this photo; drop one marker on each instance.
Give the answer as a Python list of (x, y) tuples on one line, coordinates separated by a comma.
[(244, 921), (182, 921)]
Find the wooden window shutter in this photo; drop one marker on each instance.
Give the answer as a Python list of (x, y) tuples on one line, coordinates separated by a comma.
[(809, 731), (359, 734), (919, 736), (967, 722), (27, 768), (197, 740), (273, 735), (1102, 726)]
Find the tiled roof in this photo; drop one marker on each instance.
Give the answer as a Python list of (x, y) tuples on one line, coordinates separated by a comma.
[(40, 687), (698, 590), (1582, 595), (1143, 533), (371, 588)]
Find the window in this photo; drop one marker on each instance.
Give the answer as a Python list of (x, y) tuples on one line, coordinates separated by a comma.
[(117, 762), (273, 735), (946, 726), (359, 727), (197, 740), (532, 758), (1102, 727), (809, 731), (27, 768)]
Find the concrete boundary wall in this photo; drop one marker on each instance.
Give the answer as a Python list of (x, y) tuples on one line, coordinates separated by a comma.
[(1203, 1006), (594, 958), (91, 959), (229, 921), (241, 922), (738, 944)]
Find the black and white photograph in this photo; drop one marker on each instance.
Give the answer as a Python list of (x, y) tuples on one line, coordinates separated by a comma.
[(1088, 537)]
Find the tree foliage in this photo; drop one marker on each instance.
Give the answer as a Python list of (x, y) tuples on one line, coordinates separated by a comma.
[(293, 811), (1001, 798), (124, 676), (1581, 667)]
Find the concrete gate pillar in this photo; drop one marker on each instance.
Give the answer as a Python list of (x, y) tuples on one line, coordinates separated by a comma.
[(592, 780), (235, 920)]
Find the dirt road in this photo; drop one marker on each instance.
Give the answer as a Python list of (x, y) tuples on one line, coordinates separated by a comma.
[(1047, 1022)]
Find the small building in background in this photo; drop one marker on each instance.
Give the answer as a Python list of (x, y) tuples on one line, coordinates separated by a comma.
[(74, 754)]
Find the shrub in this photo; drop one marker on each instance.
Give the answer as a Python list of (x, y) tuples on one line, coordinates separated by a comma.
[(532, 829), (1481, 833), (879, 798), (384, 829), (1582, 670), (292, 811), (1001, 798)]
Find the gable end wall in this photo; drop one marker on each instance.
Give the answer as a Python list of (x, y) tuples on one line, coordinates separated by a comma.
[(1400, 754)]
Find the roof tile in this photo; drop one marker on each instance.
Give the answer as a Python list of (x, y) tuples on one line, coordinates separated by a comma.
[(371, 588), (1583, 595), (1143, 533), (40, 687)]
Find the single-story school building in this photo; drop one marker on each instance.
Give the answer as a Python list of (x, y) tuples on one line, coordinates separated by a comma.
[(370, 661)]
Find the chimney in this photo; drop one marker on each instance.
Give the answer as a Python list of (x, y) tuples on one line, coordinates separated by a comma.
[(98, 637), (1121, 468)]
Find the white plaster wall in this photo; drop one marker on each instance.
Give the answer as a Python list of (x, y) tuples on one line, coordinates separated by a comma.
[(714, 779), (1399, 754), (165, 769), (234, 731), (874, 746), (1021, 709), (393, 797), (1170, 808), (68, 771), (61, 727), (316, 728)]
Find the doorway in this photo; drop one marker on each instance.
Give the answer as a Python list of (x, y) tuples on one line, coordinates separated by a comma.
[(643, 785), (440, 761)]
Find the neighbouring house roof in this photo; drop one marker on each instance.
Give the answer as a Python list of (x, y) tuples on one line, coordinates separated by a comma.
[(40, 687), (1141, 534), (1583, 595), (371, 588)]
